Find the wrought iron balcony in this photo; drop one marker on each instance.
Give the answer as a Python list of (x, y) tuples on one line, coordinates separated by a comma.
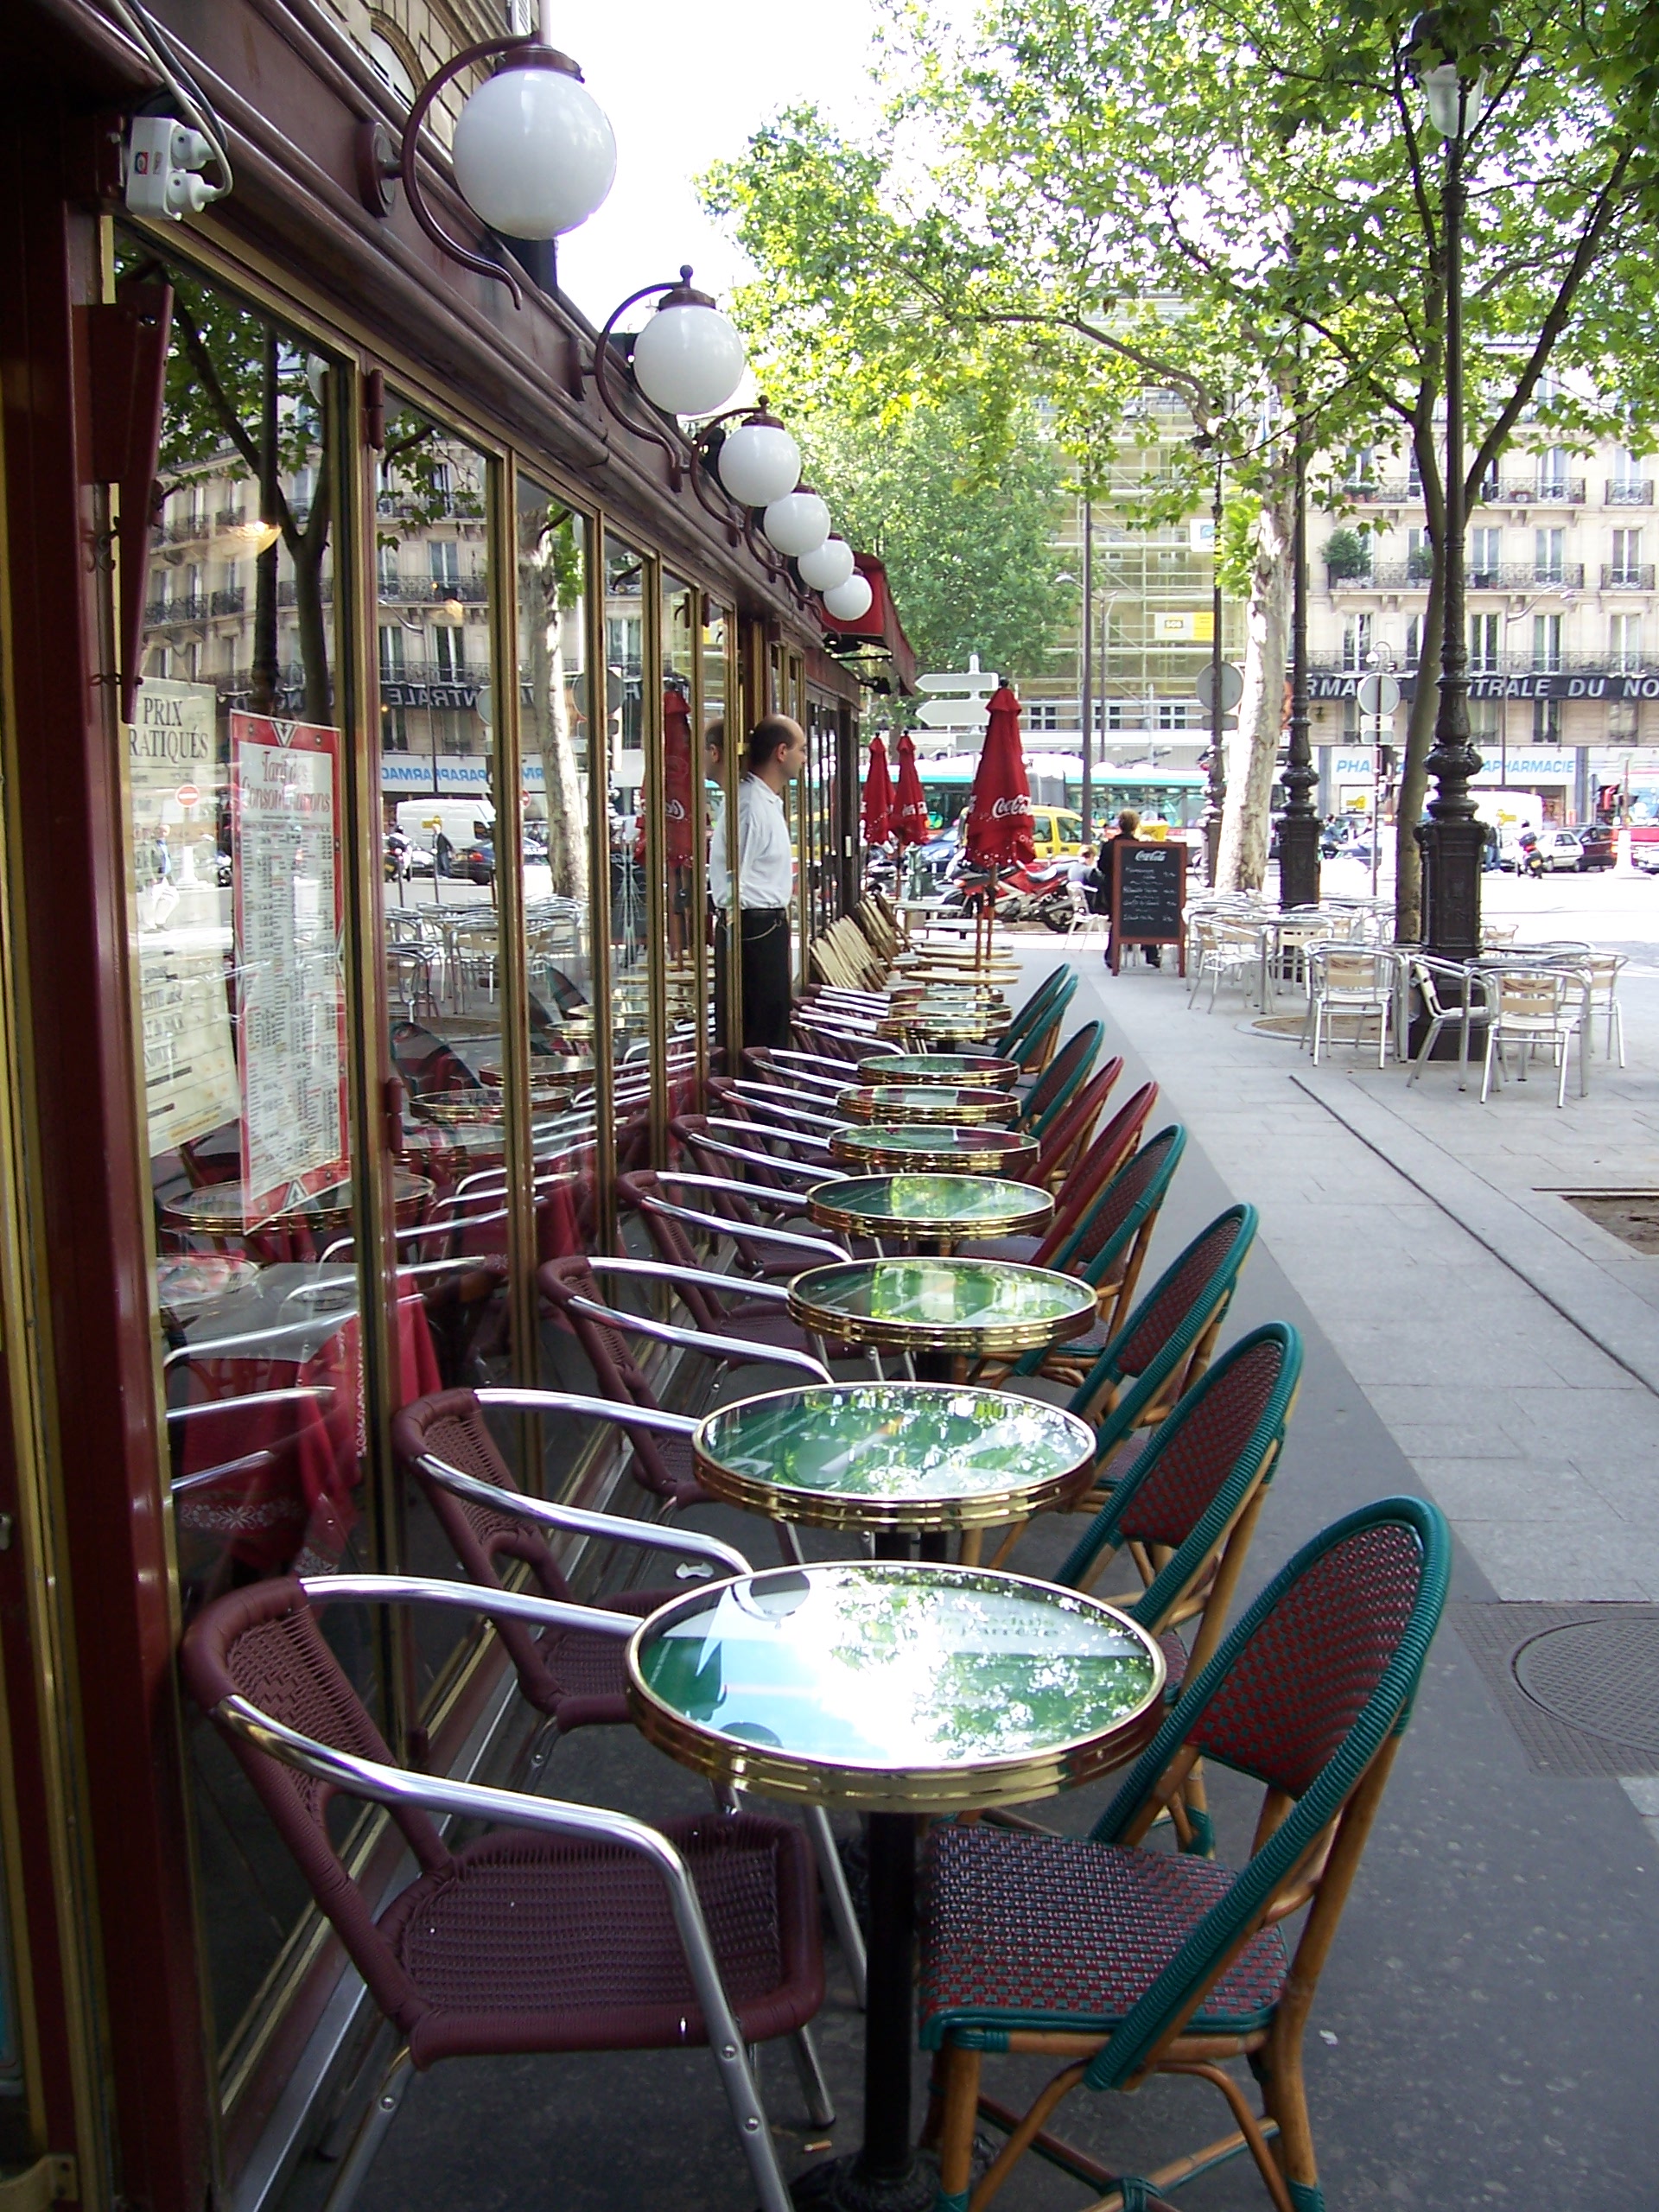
[(1630, 491), (162, 613), (287, 591), (1627, 575), (1504, 576), (229, 602)]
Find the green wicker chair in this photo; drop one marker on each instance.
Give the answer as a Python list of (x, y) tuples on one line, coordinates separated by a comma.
[(1162, 1349), (1126, 1962), (1059, 1080)]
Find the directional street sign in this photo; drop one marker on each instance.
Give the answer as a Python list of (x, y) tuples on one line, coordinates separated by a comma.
[(1232, 685), (953, 713), (980, 682)]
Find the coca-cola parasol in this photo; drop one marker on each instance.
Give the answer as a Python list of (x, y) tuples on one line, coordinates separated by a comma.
[(878, 797), (910, 825), (997, 831), (676, 779)]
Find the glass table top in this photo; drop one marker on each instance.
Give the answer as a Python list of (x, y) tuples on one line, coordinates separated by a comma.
[(967, 1105), (942, 1206), (922, 1145), (893, 1455), (942, 1305), (928, 1018), (895, 1685), (953, 1068)]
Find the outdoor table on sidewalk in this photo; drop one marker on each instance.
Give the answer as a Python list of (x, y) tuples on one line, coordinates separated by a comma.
[(940, 1310), (969, 1106), (949, 1024), (902, 1690), (221, 1212), (952, 1068), (930, 1208), (893, 1459), (922, 1147)]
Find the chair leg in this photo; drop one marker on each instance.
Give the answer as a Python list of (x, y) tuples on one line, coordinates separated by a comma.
[(839, 1899), (961, 2071), (820, 2105), (371, 2132)]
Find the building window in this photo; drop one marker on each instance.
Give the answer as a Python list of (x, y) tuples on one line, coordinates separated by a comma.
[(1627, 557), (1362, 468), (391, 652), (1042, 714), (1414, 474), (394, 730), (1486, 644), (1546, 642), (441, 487), (1551, 472), (1549, 555), (444, 556), (1546, 721), (1172, 714), (1625, 641), (1483, 721), (448, 653), (385, 568), (1414, 640), (1485, 559), (1355, 640)]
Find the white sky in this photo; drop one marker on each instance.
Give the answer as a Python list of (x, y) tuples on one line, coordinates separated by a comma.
[(683, 87)]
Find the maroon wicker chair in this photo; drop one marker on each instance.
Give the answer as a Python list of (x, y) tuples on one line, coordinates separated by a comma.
[(575, 1676), (564, 1928), (1106, 1154), (1072, 1130)]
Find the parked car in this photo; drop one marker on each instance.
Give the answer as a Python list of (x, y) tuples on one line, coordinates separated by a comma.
[(1598, 846), (473, 861), (1555, 848)]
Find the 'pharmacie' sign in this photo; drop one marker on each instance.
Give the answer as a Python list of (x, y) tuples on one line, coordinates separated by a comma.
[(1357, 765), (1556, 684), (462, 774)]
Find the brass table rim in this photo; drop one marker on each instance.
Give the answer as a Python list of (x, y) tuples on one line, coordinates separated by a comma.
[(988, 1340), (989, 1151), (1037, 1212), (988, 1071), (1019, 1780), (990, 1110), (824, 1509)]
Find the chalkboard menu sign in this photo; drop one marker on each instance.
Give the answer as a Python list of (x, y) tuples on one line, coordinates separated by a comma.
[(1148, 895)]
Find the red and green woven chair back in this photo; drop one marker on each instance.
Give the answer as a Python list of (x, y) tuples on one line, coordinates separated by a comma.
[(1025, 1017), (1060, 1078), (1303, 1693), (1107, 1156), (1134, 1192)]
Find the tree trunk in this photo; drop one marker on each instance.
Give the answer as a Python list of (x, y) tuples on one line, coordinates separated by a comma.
[(545, 725), (1253, 747), (1414, 774)]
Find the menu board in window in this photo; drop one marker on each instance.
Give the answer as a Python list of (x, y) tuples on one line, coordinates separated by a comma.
[(290, 1005), (184, 935)]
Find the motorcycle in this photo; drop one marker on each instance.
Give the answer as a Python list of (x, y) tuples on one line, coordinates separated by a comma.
[(1034, 891)]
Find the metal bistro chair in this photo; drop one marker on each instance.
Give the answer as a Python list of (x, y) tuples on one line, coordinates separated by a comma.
[(1533, 1006), (1127, 1961), (1345, 980), (1453, 997), (565, 1928), (1109, 1248), (574, 1677), (1107, 1154)]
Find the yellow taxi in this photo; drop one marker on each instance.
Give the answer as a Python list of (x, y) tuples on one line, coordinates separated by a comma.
[(1056, 832)]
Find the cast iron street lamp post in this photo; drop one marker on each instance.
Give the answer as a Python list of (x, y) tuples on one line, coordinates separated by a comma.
[(1451, 840), (1215, 798), (1299, 826)]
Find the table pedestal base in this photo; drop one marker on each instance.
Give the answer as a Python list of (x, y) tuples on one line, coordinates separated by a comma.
[(842, 2185)]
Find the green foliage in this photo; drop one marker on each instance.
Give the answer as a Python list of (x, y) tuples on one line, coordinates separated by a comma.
[(963, 518), (1348, 553)]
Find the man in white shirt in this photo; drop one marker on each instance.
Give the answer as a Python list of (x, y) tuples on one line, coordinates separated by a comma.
[(765, 881)]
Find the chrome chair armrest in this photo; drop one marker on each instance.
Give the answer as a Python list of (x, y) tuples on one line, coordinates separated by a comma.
[(293, 1395), (571, 1402), (785, 1202), (785, 1239), (600, 1263), (575, 1520), (773, 1162), (699, 1340), (464, 1597), (778, 1136), (335, 1317)]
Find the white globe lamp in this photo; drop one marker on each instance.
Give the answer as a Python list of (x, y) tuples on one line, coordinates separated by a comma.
[(828, 567), (760, 461), (796, 524), (687, 359), (851, 601), (534, 153)]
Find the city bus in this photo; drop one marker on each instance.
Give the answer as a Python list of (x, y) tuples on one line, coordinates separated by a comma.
[(1172, 795)]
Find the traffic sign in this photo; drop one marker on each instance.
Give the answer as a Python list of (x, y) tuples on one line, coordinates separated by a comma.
[(1378, 695), (1232, 685), (981, 683), (952, 714), (186, 794)]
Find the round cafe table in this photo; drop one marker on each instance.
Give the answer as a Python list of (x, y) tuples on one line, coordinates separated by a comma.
[(952, 1068), (949, 1024), (220, 1210), (967, 1106), (893, 1457), (902, 1690), (939, 1310), (921, 1147), (930, 1208)]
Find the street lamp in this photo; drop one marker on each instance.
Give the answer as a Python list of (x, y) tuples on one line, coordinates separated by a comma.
[(1299, 826), (1452, 839)]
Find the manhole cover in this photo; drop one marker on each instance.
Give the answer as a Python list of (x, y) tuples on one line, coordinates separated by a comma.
[(1602, 1676)]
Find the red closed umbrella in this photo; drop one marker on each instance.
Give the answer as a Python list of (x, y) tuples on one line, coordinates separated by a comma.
[(910, 823), (998, 829), (676, 779), (878, 797)]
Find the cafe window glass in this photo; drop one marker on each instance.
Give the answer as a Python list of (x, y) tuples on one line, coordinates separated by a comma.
[(237, 841), (722, 748), (635, 849), (685, 935)]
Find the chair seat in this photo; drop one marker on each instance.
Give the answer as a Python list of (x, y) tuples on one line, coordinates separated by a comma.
[(588, 1666), (1062, 1933), (532, 1942)]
